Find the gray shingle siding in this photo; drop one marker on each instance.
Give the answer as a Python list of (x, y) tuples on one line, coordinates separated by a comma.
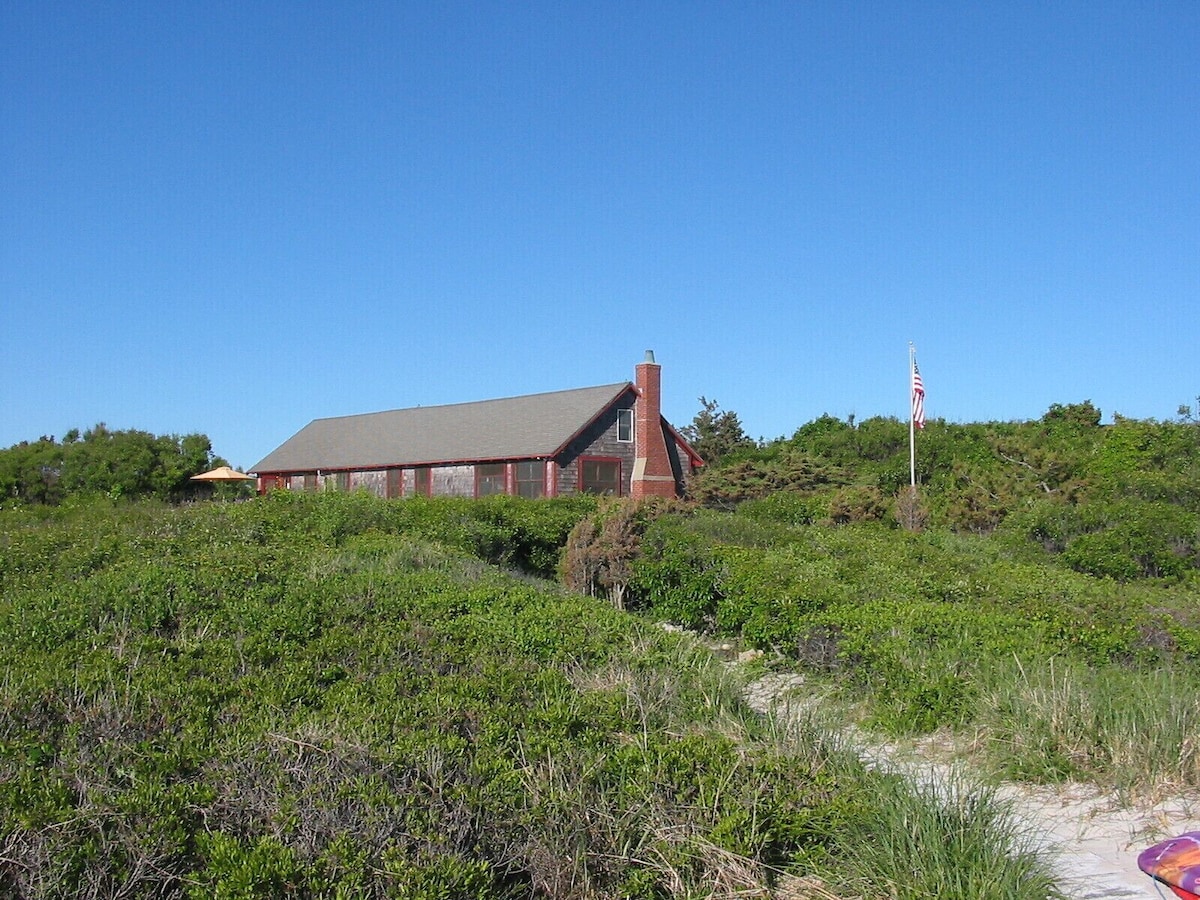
[(598, 439), (454, 481)]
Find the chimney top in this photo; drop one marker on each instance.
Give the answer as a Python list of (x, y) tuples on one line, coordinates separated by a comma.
[(649, 356)]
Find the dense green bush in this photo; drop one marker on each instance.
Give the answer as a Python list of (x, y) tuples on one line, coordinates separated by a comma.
[(304, 696), (324, 693), (676, 576), (915, 621), (787, 508), (1060, 478), (857, 504), (1124, 540), (112, 463)]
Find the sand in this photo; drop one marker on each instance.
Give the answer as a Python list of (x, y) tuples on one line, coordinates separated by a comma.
[(1094, 837)]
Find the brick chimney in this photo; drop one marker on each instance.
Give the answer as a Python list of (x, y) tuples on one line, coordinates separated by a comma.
[(652, 476)]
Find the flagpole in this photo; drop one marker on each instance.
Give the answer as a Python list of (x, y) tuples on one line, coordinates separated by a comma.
[(912, 440)]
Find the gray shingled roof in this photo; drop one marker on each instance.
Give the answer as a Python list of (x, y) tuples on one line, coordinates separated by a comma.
[(536, 425)]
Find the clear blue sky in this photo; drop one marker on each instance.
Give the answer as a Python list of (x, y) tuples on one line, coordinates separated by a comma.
[(233, 218)]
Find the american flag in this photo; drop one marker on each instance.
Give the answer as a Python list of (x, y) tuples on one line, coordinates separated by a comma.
[(918, 397)]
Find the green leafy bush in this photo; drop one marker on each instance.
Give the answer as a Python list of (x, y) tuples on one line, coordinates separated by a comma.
[(303, 696), (676, 576), (1136, 539), (307, 694), (786, 508), (857, 504)]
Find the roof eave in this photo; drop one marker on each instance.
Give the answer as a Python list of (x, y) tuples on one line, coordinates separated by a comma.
[(417, 464)]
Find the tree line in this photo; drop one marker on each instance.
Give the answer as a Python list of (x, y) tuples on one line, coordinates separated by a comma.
[(1119, 500), (125, 463)]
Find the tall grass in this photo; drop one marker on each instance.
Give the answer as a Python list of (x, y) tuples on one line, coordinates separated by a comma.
[(951, 841), (1132, 731), (932, 830), (1137, 732)]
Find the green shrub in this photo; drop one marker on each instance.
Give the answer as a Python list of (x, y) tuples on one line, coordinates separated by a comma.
[(216, 697), (1047, 522), (787, 508), (676, 576), (857, 504), (1107, 554), (303, 693), (1135, 539), (240, 870)]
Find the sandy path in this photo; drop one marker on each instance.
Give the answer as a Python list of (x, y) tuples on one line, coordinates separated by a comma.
[(1095, 840)]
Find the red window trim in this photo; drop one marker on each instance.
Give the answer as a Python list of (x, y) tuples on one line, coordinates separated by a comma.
[(507, 475), (514, 472), (612, 459)]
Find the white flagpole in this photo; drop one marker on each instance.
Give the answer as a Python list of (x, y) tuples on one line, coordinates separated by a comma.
[(912, 440)]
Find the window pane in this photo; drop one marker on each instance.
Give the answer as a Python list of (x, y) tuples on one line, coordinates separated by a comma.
[(489, 479), (601, 476), (531, 477), (625, 425)]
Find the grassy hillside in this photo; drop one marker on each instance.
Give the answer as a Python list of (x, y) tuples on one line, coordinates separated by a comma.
[(1054, 673), (1039, 592), (322, 696)]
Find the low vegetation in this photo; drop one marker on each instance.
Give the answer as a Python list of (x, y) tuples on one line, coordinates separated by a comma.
[(1055, 674), (340, 696), (1038, 593), (307, 696)]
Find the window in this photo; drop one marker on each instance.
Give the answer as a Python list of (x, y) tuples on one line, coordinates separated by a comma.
[(600, 476), (310, 482), (422, 482), (395, 483), (489, 479), (625, 425), (531, 478), (343, 481)]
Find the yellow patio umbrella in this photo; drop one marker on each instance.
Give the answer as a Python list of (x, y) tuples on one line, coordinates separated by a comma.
[(222, 473)]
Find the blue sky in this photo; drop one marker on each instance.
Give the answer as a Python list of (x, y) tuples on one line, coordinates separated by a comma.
[(233, 218)]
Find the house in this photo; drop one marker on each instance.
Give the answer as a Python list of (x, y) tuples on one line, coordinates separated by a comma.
[(610, 439)]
